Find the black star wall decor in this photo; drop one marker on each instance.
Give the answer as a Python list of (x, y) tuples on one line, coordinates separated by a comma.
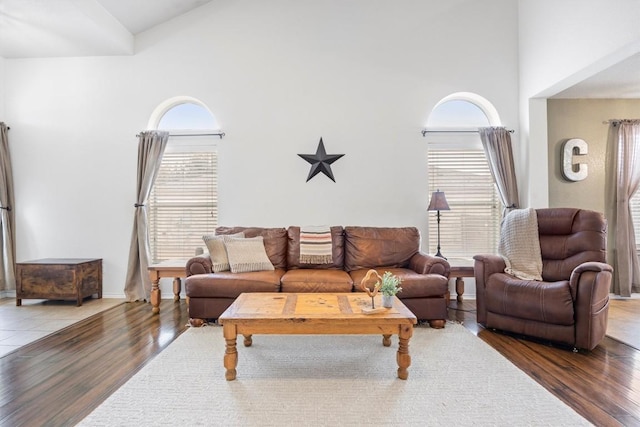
[(321, 161)]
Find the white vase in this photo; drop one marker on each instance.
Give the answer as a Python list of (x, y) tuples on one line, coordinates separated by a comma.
[(387, 301)]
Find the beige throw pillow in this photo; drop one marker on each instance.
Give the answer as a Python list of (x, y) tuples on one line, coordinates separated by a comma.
[(218, 252), (247, 255)]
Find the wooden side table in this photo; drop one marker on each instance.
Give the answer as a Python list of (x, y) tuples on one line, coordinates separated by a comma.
[(175, 268), (59, 278), (460, 267)]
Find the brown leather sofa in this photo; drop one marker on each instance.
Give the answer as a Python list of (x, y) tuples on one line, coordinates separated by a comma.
[(355, 250), (570, 305)]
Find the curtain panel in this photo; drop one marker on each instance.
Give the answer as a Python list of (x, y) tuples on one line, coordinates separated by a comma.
[(7, 232), (151, 146), (622, 181), (496, 142)]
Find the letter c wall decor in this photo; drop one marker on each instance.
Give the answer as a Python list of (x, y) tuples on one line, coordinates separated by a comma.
[(570, 170)]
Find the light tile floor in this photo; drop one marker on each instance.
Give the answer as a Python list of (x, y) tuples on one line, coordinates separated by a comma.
[(38, 318)]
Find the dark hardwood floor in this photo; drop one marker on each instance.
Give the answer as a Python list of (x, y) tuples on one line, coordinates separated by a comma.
[(58, 380)]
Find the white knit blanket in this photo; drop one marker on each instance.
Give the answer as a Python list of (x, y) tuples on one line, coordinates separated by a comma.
[(520, 244)]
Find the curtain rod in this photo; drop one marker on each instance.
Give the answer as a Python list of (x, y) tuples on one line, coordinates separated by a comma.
[(219, 134), (606, 122), (426, 131)]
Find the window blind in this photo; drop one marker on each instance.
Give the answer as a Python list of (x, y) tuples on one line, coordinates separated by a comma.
[(472, 226), (183, 205)]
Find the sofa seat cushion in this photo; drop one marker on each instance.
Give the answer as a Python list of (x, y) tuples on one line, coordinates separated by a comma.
[(413, 285), (546, 302), (316, 280), (230, 285)]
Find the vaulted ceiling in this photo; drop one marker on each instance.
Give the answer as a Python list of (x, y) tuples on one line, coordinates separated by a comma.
[(53, 28), (59, 28)]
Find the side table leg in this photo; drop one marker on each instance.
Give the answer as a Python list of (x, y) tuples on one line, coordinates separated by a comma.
[(386, 340), (459, 288), (155, 296), (231, 352), (177, 288), (403, 358)]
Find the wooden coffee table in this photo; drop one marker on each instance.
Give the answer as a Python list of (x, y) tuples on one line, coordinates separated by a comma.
[(314, 313)]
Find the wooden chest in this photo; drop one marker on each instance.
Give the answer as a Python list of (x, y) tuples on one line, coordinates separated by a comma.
[(59, 278)]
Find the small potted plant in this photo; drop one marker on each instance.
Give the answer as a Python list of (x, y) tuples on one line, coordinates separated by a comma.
[(389, 287)]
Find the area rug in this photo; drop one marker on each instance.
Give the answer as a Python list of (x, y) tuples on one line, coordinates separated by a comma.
[(337, 380)]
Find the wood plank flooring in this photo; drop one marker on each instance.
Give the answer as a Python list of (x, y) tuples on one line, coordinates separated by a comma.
[(58, 380)]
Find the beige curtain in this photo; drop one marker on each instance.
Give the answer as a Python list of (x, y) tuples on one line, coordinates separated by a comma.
[(496, 142), (622, 181), (151, 146), (7, 233)]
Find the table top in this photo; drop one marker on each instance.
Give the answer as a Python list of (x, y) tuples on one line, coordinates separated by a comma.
[(315, 306), (61, 261), (170, 264)]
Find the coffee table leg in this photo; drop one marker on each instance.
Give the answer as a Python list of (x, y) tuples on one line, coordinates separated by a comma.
[(403, 358), (248, 340), (386, 340), (231, 352)]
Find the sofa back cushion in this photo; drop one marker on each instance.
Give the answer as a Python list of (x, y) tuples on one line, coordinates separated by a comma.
[(378, 247), (275, 241), (337, 249), (569, 237)]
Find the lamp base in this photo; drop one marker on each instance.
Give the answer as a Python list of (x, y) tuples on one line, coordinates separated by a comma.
[(438, 254)]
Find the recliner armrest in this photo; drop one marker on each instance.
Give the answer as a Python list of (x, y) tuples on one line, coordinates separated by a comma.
[(590, 284), (491, 264), (427, 264), (596, 267), (483, 267), (200, 264)]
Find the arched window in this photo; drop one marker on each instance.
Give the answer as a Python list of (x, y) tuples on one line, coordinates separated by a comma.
[(457, 165), (183, 205)]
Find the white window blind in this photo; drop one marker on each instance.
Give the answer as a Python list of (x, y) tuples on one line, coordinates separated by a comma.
[(183, 205), (472, 226)]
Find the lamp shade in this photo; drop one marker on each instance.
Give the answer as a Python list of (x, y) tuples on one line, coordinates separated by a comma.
[(438, 202)]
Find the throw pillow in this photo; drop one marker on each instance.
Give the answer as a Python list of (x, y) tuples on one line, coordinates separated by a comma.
[(217, 250), (247, 255)]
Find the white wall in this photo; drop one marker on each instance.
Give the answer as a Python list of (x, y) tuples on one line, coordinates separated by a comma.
[(560, 44), (278, 75)]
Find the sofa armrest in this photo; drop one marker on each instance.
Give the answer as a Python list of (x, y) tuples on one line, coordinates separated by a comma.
[(427, 264), (590, 285), (200, 264), (483, 267)]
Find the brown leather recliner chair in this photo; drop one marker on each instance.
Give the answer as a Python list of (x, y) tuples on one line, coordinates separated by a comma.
[(571, 303)]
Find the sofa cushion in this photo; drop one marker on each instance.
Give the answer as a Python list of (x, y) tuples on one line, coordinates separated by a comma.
[(293, 251), (218, 251), (414, 285), (373, 247), (247, 255), (316, 280), (275, 241), (230, 285), (545, 302)]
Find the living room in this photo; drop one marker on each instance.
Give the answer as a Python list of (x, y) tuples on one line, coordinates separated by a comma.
[(278, 76)]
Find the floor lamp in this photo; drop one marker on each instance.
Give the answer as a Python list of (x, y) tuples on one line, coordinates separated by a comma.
[(438, 203)]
